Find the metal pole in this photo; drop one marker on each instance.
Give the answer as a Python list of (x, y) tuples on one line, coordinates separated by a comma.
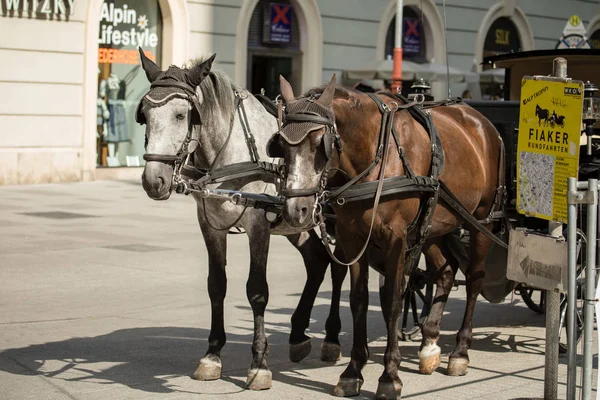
[(597, 290), (552, 297), (571, 291), (447, 61), (590, 280), (397, 72), (552, 332)]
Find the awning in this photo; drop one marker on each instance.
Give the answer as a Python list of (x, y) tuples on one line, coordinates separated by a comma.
[(382, 69), (494, 75)]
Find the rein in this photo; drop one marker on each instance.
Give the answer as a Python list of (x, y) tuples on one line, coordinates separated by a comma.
[(384, 136)]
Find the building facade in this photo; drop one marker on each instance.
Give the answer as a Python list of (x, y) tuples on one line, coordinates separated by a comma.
[(71, 79)]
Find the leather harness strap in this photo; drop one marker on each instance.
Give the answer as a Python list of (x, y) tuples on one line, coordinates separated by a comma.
[(384, 138)]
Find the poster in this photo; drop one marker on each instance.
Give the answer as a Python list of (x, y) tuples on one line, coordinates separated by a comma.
[(548, 146), (281, 23)]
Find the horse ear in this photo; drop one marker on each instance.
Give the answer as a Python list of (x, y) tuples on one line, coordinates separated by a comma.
[(150, 68), (286, 90), (327, 97), (197, 74)]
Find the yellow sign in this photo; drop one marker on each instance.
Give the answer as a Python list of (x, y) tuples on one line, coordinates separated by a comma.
[(574, 20), (548, 146)]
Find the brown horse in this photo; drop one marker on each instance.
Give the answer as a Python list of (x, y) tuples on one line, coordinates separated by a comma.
[(472, 151)]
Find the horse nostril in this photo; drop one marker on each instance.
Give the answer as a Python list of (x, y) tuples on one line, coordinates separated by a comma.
[(304, 211), (161, 181)]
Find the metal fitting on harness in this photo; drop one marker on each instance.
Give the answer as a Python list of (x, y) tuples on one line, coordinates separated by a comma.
[(182, 188)]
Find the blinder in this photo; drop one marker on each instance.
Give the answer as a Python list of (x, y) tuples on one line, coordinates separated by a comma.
[(328, 144), (274, 148)]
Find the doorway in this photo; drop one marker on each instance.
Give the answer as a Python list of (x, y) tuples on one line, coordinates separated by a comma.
[(265, 73)]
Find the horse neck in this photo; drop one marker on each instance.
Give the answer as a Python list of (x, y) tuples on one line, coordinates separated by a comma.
[(213, 137), (359, 135)]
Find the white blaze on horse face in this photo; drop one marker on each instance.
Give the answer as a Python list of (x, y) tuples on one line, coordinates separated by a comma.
[(167, 126), (301, 172)]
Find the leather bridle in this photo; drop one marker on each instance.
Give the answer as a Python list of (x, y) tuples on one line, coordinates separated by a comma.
[(331, 141), (189, 94)]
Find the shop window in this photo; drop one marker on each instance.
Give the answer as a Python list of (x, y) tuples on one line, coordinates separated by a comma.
[(502, 37), (124, 25), (413, 40), (273, 47)]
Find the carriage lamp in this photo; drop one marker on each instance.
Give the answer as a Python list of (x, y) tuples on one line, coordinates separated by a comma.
[(591, 111), (420, 91)]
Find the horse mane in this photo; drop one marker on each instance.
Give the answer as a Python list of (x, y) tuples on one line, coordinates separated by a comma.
[(340, 92), (217, 91)]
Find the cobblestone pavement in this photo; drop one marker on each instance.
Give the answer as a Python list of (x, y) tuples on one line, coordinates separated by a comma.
[(103, 296)]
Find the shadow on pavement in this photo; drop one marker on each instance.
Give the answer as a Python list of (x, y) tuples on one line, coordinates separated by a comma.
[(146, 358)]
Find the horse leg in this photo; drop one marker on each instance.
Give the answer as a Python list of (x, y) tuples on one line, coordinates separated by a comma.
[(445, 265), (331, 349), (316, 260), (351, 379), (210, 365), (257, 290), (479, 246), (390, 385)]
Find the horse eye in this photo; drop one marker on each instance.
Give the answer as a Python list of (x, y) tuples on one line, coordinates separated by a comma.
[(180, 116)]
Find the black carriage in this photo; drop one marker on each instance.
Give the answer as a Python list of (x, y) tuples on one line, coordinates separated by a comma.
[(581, 65)]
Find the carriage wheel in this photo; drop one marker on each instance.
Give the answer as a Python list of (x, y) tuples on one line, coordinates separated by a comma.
[(534, 298)]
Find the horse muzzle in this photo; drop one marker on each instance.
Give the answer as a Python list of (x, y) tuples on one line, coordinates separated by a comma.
[(156, 180), (298, 212)]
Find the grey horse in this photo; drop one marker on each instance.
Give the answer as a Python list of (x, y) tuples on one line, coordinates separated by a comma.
[(195, 111)]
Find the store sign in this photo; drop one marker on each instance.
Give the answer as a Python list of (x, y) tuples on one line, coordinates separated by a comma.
[(124, 27), (39, 7), (548, 145), (411, 37), (281, 23)]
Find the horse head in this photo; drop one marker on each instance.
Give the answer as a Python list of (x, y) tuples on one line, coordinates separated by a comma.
[(306, 142), (171, 112)]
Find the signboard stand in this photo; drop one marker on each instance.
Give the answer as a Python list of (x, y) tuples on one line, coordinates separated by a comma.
[(547, 154)]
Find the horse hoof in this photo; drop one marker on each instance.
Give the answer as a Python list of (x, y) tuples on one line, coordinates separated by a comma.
[(300, 350), (209, 369), (347, 387), (429, 359), (331, 352), (259, 379), (458, 366), (389, 390)]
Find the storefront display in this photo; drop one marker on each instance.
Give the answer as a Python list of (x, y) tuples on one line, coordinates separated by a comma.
[(124, 25)]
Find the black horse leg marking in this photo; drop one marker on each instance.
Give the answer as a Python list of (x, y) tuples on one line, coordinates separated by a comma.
[(210, 365), (257, 290), (390, 385), (351, 379), (445, 265), (479, 246), (316, 260)]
